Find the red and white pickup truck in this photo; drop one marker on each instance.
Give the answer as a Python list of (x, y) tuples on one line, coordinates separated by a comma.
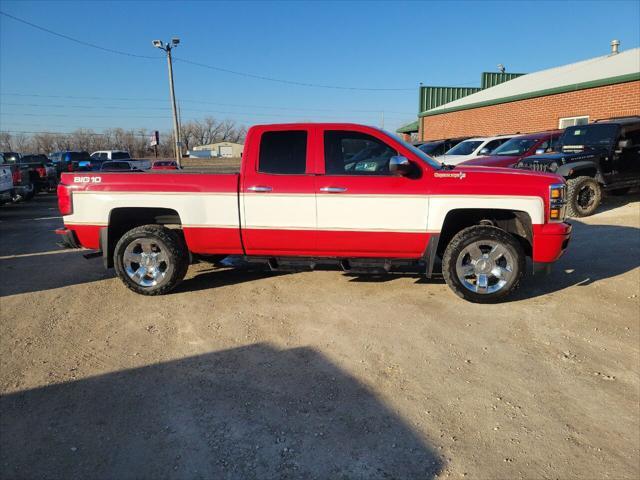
[(322, 194)]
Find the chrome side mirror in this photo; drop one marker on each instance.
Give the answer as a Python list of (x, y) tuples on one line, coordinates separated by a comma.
[(399, 165), (484, 151), (540, 151)]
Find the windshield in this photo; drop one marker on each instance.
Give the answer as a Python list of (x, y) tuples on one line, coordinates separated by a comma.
[(515, 146), (465, 148), (430, 147), (592, 136)]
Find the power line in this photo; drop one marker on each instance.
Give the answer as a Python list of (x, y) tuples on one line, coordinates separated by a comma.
[(81, 42), (204, 65), (204, 102), (164, 109)]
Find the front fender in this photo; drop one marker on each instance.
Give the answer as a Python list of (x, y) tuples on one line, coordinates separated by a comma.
[(570, 169)]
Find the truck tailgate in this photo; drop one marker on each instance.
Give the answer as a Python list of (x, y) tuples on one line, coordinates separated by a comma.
[(205, 205)]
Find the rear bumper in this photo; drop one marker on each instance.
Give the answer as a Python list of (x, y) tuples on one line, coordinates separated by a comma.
[(550, 241), (68, 238)]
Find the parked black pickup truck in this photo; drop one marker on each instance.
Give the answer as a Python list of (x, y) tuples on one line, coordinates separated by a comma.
[(604, 155), (42, 172)]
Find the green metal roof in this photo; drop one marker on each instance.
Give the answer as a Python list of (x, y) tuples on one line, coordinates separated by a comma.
[(408, 128), (432, 97), (491, 79)]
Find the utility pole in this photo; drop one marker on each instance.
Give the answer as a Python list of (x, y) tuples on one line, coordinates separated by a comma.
[(176, 125)]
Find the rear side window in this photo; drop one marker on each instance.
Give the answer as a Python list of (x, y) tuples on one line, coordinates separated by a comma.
[(119, 155), (283, 152)]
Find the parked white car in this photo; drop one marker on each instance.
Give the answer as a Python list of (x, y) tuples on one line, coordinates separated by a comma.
[(472, 148)]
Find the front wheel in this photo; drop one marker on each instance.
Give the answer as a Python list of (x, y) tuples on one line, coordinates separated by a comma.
[(584, 195), (483, 264), (151, 259)]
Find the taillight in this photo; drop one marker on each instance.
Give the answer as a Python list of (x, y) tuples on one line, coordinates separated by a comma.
[(65, 202), (17, 176), (41, 171), (70, 167)]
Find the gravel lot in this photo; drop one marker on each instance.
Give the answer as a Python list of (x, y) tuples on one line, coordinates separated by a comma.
[(318, 375)]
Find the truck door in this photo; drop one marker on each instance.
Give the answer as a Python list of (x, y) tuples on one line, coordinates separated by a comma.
[(629, 156), (363, 209), (278, 204)]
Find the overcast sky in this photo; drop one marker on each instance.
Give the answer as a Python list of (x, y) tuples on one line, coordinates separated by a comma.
[(45, 80)]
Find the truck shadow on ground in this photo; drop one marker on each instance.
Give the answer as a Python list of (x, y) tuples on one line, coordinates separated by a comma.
[(248, 412)]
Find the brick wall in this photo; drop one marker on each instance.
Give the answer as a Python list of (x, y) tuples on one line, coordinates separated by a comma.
[(535, 114)]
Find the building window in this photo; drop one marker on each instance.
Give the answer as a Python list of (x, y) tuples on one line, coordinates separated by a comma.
[(571, 121)]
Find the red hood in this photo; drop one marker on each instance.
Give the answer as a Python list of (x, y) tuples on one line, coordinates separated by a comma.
[(509, 174), (493, 161)]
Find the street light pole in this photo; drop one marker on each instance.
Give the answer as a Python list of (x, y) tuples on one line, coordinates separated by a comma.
[(176, 126)]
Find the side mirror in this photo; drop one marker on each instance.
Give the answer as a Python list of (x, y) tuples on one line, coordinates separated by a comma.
[(622, 144), (484, 151), (399, 165), (540, 151)]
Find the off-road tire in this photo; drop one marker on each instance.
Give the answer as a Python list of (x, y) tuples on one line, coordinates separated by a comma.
[(575, 188), (176, 250), (469, 236)]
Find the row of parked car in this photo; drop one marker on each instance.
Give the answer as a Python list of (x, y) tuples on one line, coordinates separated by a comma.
[(24, 175), (603, 156)]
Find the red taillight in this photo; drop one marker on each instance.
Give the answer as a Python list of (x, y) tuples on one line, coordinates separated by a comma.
[(17, 176), (42, 172), (65, 203), (70, 167)]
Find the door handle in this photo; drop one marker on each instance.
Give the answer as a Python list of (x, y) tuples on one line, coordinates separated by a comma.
[(260, 188), (333, 189)]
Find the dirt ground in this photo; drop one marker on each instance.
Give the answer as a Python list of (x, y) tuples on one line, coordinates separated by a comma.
[(318, 375)]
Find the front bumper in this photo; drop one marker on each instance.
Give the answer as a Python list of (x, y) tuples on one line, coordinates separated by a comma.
[(550, 241), (68, 238)]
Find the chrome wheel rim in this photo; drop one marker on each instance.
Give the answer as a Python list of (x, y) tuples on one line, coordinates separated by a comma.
[(146, 262), (485, 266)]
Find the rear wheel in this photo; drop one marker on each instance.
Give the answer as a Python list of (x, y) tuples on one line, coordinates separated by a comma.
[(151, 259), (584, 195), (483, 264)]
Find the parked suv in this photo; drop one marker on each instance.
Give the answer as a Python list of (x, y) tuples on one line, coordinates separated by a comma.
[(472, 148), (509, 153), (68, 161), (604, 155)]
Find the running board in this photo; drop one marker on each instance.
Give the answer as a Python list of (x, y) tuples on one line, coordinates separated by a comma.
[(371, 266)]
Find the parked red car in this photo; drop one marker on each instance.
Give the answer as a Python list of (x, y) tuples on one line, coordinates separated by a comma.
[(164, 165), (511, 152)]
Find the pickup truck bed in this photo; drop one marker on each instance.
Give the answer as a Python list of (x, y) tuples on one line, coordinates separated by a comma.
[(359, 198)]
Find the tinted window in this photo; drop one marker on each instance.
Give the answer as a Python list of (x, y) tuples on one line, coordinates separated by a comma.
[(119, 155), (353, 153), (283, 152), (77, 156), (590, 136)]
